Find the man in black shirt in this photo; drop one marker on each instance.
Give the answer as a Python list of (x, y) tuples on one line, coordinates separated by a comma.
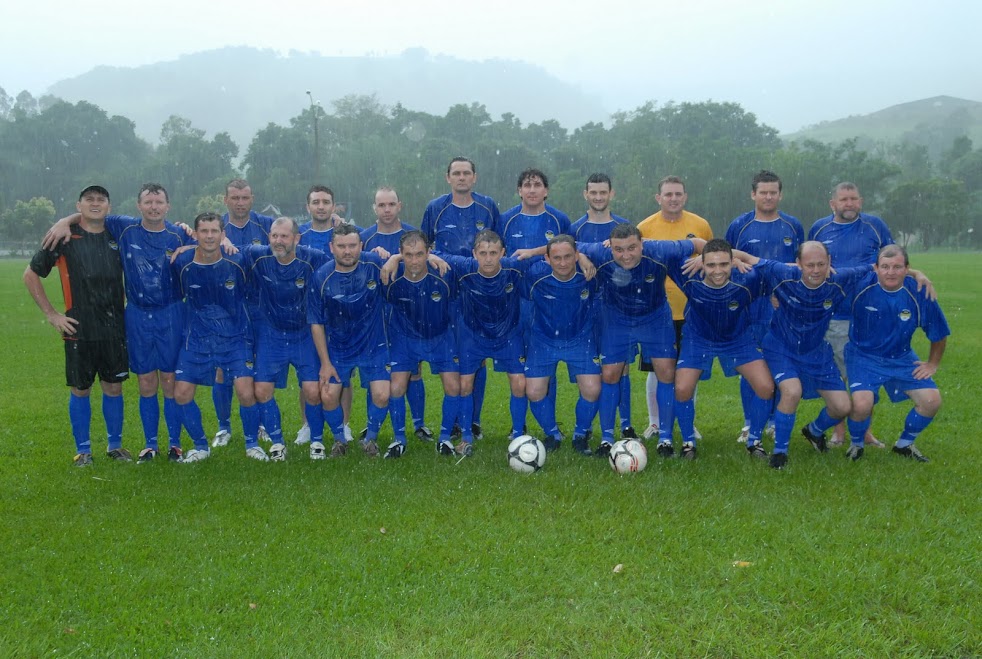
[(92, 324)]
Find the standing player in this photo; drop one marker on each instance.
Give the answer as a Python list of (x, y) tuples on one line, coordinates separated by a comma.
[(92, 325), (451, 222), (767, 233), (282, 271), (672, 222), (886, 312), (344, 309), (217, 335), (595, 227), (853, 239)]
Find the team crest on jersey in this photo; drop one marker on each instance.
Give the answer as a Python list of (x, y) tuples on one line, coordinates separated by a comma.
[(436, 296), (229, 284), (299, 283), (787, 241), (169, 252), (550, 235), (905, 315), (733, 305), (584, 294), (249, 365), (371, 284), (480, 225), (509, 287), (827, 305), (114, 245), (256, 241), (649, 278)]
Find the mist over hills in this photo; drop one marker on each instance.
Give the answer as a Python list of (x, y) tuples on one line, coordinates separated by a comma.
[(240, 90)]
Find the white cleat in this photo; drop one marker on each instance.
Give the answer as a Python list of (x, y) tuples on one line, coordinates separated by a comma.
[(277, 453), (696, 433), (196, 455), (222, 438), (263, 435), (317, 451), (257, 453), (348, 437), (650, 432), (744, 434), (303, 435)]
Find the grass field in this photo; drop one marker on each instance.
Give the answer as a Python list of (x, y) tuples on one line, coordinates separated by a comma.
[(722, 557)]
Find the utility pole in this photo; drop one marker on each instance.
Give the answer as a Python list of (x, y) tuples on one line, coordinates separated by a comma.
[(317, 150)]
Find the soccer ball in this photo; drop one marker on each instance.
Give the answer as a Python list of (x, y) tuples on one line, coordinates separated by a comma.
[(526, 454), (628, 455)]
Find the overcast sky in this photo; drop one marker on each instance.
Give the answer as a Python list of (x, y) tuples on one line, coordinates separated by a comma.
[(791, 63)]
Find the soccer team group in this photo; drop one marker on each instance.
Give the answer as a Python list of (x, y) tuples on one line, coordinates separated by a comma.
[(235, 300)]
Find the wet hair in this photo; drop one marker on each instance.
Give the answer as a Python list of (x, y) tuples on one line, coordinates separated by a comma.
[(801, 247), (717, 245), (845, 185), (386, 188), (462, 159), (488, 236), (294, 227), (320, 188), (766, 176), (208, 216), (624, 230), (413, 236), (98, 189), (529, 174), (597, 177), (345, 230), (152, 188), (890, 251), (561, 238), (670, 179)]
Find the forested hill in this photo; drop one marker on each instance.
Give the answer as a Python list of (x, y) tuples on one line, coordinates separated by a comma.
[(241, 90), (930, 122)]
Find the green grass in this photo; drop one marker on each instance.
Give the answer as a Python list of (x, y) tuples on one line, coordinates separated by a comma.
[(234, 558)]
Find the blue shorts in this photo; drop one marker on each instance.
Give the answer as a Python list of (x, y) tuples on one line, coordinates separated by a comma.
[(580, 356), (406, 353), (154, 337), (869, 373), (371, 367), (619, 336), (507, 352), (698, 353), (277, 350), (816, 370), (199, 367)]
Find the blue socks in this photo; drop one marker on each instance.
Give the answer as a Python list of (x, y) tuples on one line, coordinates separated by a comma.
[(272, 420), (625, 402), (518, 406), (191, 418), (609, 395), (913, 426), (250, 424), (112, 412), (315, 420), (416, 395), (172, 419), (480, 384), (783, 427), (150, 418), (397, 413), (221, 396), (80, 417)]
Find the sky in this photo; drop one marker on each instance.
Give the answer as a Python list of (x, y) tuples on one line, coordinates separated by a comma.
[(793, 64)]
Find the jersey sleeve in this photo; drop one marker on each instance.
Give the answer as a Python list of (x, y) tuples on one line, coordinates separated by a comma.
[(44, 261), (115, 224), (596, 252)]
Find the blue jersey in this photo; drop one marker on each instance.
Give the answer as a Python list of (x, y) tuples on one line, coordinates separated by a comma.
[(521, 231), (310, 237), (803, 313), (719, 315), (490, 306), (883, 321), (422, 309), (349, 305), (586, 231), (255, 231), (371, 238), (146, 260), (639, 292), (214, 295), (282, 288), (562, 311), (451, 229), (853, 243)]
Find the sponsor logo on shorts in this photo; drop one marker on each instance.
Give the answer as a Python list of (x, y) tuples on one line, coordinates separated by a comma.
[(249, 365)]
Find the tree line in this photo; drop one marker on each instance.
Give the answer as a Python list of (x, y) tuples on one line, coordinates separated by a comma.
[(50, 149)]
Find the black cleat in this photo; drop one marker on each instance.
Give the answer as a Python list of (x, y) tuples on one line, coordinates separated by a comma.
[(174, 454), (665, 450), (147, 455), (911, 453), (120, 455), (424, 434), (854, 452), (476, 431), (551, 444), (757, 451), (582, 446), (445, 447), (82, 460), (778, 460), (395, 450), (817, 441), (603, 451), (455, 433), (629, 433), (688, 451)]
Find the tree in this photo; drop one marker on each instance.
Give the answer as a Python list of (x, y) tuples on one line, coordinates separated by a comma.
[(934, 210), (27, 221)]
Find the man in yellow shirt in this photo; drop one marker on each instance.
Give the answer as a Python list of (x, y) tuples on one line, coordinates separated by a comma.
[(672, 222)]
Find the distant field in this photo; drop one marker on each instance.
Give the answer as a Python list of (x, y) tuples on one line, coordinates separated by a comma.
[(425, 557)]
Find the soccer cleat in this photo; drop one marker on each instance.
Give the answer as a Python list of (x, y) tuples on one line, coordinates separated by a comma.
[(688, 451), (370, 448), (455, 433), (769, 429), (603, 451), (82, 460), (476, 431), (552, 444), (339, 450), (362, 435), (870, 440), (465, 449), (175, 454), (757, 451), (120, 454), (277, 453), (147, 455), (854, 452), (395, 450), (581, 445), (317, 451), (263, 435), (778, 460), (744, 434), (196, 455), (665, 450), (424, 434), (303, 435), (257, 453), (910, 452), (818, 441), (650, 431), (348, 437), (444, 447), (696, 434), (628, 433), (222, 438)]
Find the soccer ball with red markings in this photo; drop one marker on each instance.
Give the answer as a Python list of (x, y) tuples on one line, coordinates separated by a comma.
[(628, 455)]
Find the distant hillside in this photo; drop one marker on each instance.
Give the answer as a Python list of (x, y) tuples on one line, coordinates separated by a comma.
[(240, 90), (933, 122)]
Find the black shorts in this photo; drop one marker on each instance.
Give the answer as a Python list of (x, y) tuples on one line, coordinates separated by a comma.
[(85, 359), (646, 366)]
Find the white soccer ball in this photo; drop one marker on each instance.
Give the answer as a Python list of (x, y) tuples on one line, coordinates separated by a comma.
[(526, 454), (628, 455)]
